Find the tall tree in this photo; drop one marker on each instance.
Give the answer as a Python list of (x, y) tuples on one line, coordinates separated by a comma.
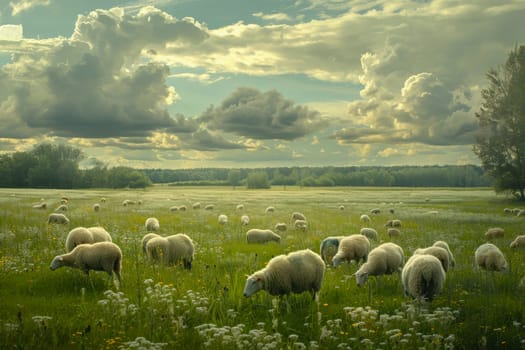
[(501, 140)]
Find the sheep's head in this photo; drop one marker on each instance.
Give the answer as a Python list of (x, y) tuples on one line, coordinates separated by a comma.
[(57, 262), (361, 277), (254, 283)]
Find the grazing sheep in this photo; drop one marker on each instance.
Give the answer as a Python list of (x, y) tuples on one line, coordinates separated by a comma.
[(146, 239), (393, 223), (245, 220), (364, 218), (445, 246), (298, 216), (353, 247), (82, 235), (256, 235), (99, 256), (96, 207), (518, 242), (438, 252), (269, 210), (341, 207), (391, 211), (127, 202), (494, 232), (209, 207), (384, 259), (103, 200), (423, 277), (239, 207), (62, 207), (393, 232), (40, 206), (298, 272), (489, 257), (152, 225), (520, 212), (174, 208), (223, 219), (280, 226), (57, 218), (196, 205), (375, 211), (369, 233), (183, 208), (300, 225), (170, 250), (329, 247)]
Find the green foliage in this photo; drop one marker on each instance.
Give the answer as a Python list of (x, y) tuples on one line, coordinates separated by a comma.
[(501, 140), (257, 179)]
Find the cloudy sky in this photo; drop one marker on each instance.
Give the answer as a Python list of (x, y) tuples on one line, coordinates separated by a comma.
[(236, 83)]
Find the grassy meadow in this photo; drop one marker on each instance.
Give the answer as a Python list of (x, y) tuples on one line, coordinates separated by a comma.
[(167, 307)]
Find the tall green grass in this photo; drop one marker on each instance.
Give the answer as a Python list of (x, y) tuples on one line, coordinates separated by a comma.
[(169, 307)]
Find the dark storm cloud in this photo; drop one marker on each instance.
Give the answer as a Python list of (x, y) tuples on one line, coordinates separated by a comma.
[(262, 115), (204, 140)]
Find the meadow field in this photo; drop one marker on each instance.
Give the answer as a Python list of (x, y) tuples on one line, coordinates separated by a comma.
[(167, 307)]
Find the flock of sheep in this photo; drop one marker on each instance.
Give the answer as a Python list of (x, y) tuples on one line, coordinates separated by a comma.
[(422, 275)]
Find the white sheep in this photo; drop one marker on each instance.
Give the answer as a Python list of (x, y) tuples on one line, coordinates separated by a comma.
[(393, 223), (369, 233), (494, 232), (209, 207), (341, 207), (62, 207), (329, 247), (280, 226), (518, 242), (82, 235), (40, 206), (196, 205), (269, 210), (489, 257), (127, 202), (146, 239), (353, 247), (245, 220), (393, 232), (384, 259), (445, 246), (300, 225), (174, 208), (438, 252), (183, 208), (423, 276), (239, 207), (364, 218), (375, 211), (152, 224), (57, 218), (170, 250), (99, 256), (96, 207), (256, 235), (223, 219), (298, 272), (298, 216)]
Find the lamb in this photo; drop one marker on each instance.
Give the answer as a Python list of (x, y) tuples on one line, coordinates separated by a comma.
[(384, 259), (494, 232), (152, 225), (445, 246), (364, 218), (489, 257), (423, 277), (261, 236), (438, 252), (298, 216), (57, 218), (223, 219), (518, 242), (298, 272), (146, 239), (369, 233), (99, 256), (280, 226), (245, 220), (353, 247), (393, 232), (329, 247), (300, 225), (82, 235), (170, 250)]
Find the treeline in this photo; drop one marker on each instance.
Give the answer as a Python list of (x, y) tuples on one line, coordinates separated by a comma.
[(57, 166), (400, 176)]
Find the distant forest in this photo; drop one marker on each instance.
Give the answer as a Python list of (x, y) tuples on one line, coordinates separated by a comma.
[(401, 176)]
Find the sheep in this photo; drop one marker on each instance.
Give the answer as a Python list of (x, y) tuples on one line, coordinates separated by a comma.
[(170, 250), (62, 207), (384, 259), (280, 226), (146, 239), (57, 218), (196, 205), (239, 207), (298, 272), (364, 218), (96, 207), (103, 200), (99, 256), (269, 210), (423, 277), (438, 252), (518, 242), (152, 224), (341, 207), (183, 208), (174, 208), (40, 206), (521, 212), (223, 219), (489, 257), (375, 211), (261, 236), (300, 225), (393, 223), (445, 246), (353, 247), (393, 232), (127, 202), (369, 233), (329, 247), (209, 207), (245, 220), (494, 232), (298, 216), (81, 235)]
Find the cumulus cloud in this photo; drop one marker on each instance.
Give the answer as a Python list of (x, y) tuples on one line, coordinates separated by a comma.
[(18, 6), (262, 115), (11, 32)]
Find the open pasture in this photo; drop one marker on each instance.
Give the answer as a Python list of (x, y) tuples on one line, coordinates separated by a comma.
[(172, 308)]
